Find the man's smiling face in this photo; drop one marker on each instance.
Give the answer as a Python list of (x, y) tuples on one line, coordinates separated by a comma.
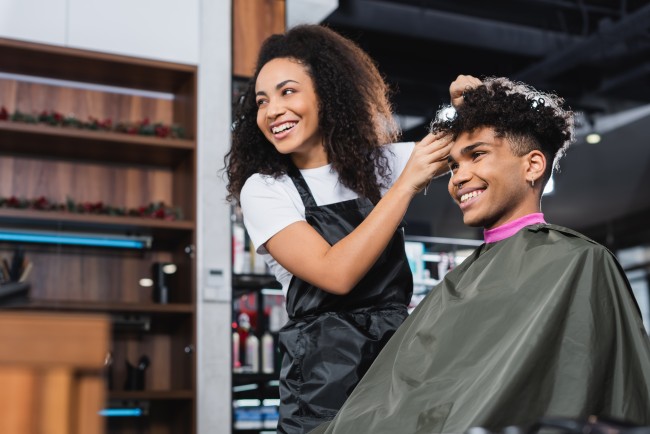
[(488, 181)]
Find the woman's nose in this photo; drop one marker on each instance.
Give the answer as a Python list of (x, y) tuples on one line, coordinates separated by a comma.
[(274, 109)]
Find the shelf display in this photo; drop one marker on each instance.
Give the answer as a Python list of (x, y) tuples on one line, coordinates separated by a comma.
[(153, 333), (430, 258), (258, 314)]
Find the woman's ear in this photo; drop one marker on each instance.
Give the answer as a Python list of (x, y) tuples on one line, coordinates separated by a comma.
[(536, 166)]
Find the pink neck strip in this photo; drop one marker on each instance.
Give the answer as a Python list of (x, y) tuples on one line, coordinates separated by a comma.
[(509, 229)]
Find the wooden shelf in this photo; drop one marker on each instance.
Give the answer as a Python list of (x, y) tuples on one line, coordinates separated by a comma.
[(10, 214), (42, 60), (151, 395), (89, 306), (44, 140), (161, 230), (13, 293)]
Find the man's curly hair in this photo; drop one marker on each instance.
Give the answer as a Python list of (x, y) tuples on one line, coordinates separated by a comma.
[(355, 116), (529, 119)]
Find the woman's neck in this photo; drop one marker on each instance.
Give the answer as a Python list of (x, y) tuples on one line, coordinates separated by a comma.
[(311, 160)]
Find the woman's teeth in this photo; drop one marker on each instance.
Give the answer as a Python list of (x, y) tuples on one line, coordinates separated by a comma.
[(283, 127)]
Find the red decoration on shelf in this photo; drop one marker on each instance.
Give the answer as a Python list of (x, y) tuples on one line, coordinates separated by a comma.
[(157, 210), (144, 127)]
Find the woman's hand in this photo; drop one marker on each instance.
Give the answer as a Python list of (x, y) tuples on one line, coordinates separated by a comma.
[(428, 160), (459, 86), (304, 252)]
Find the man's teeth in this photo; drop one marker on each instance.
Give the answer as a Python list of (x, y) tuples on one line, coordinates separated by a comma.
[(283, 127), (468, 196)]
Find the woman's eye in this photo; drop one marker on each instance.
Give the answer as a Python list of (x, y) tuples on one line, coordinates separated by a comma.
[(288, 91), (259, 102)]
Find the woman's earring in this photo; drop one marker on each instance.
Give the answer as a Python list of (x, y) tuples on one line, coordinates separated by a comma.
[(532, 183)]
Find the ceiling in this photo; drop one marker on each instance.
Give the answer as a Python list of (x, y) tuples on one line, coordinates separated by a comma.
[(594, 53)]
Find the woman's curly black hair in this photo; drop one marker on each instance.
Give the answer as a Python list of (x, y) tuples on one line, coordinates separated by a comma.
[(355, 115), (529, 119)]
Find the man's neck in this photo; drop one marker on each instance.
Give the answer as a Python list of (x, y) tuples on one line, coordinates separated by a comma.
[(507, 230)]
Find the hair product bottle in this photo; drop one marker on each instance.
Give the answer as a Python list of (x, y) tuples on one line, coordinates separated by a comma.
[(268, 353), (253, 353)]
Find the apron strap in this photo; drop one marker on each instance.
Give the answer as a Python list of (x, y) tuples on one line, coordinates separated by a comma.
[(302, 187)]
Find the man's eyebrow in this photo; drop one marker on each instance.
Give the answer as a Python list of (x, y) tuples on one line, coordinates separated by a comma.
[(466, 150), (470, 148), (277, 86)]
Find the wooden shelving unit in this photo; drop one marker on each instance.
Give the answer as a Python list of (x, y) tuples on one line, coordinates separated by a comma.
[(119, 170), (74, 306)]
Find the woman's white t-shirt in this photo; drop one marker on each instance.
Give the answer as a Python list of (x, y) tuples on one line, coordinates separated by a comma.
[(271, 204)]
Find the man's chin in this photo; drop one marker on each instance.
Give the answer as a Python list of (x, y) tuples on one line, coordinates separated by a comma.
[(472, 222)]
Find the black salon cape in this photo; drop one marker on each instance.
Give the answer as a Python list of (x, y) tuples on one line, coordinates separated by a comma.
[(540, 324)]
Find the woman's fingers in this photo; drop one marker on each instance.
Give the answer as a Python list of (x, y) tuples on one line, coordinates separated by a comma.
[(430, 155), (459, 86)]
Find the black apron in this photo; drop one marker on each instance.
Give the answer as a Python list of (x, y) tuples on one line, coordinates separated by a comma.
[(331, 340)]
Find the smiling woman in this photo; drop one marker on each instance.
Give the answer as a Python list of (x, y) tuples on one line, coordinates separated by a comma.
[(323, 193)]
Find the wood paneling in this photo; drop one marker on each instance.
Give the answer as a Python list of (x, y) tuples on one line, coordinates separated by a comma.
[(253, 22), (114, 185), (33, 98), (51, 373)]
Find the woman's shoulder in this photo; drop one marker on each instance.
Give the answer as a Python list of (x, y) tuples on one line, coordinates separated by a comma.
[(259, 181), (399, 147), (269, 191)]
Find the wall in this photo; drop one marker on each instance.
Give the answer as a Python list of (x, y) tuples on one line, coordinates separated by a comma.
[(156, 29), (214, 218)]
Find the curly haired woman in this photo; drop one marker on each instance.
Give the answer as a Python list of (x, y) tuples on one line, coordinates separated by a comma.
[(323, 201)]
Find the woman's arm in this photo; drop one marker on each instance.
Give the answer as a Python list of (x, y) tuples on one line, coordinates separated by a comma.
[(338, 268)]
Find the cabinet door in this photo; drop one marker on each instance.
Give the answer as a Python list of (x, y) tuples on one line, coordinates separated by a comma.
[(157, 29), (33, 20), (253, 22)]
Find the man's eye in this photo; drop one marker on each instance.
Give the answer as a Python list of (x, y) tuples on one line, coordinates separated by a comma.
[(453, 166), (475, 155)]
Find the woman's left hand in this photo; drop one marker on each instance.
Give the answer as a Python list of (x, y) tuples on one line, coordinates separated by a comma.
[(459, 86)]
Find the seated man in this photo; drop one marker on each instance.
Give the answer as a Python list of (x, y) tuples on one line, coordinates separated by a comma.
[(538, 322)]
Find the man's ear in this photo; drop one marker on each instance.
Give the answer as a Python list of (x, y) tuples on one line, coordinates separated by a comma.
[(536, 166)]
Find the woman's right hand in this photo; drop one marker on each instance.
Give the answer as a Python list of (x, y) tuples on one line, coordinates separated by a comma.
[(301, 250), (428, 160)]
